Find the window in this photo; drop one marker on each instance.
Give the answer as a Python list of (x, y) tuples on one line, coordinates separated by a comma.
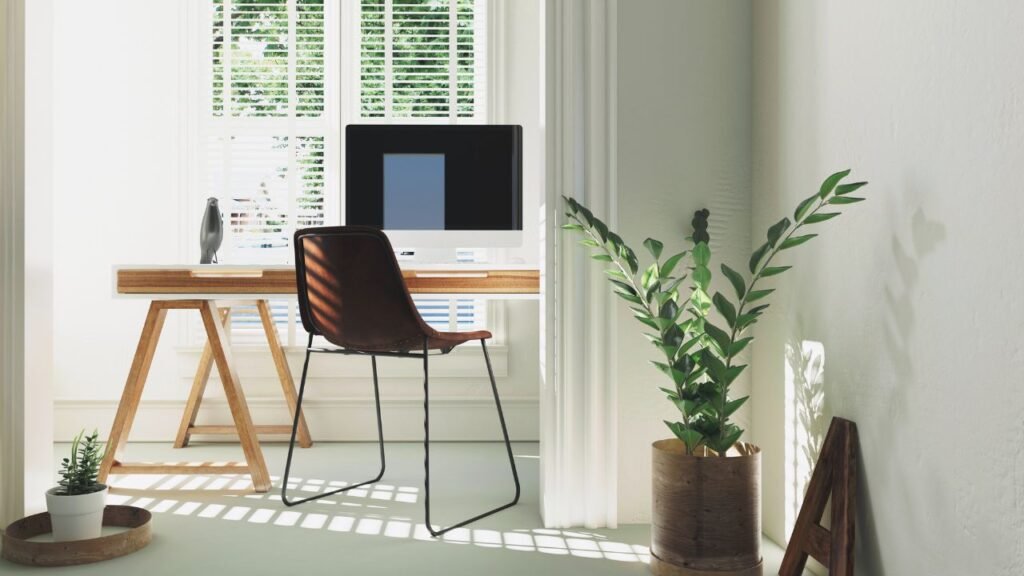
[(266, 130), (422, 60), (270, 116)]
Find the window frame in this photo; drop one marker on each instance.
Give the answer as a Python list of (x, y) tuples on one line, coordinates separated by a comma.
[(342, 98)]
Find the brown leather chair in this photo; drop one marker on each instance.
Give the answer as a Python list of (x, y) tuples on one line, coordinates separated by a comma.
[(351, 292)]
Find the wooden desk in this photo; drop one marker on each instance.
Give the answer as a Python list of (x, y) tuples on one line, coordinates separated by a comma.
[(199, 288)]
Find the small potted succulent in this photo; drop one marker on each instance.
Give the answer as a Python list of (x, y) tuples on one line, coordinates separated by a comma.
[(706, 482), (76, 504)]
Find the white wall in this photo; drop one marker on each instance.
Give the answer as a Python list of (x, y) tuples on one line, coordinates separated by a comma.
[(915, 294), (119, 181), (117, 184), (684, 144)]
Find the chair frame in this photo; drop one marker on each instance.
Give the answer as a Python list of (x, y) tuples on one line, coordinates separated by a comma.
[(425, 355)]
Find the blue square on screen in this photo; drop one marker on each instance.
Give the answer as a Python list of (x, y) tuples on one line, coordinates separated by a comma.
[(414, 191)]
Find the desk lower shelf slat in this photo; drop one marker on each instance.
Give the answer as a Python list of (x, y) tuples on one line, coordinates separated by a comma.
[(178, 468)]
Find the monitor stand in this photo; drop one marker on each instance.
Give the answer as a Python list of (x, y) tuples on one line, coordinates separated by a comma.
[(426, 255)]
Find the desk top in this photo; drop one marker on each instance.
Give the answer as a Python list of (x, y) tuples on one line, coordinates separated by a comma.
[(225, 282)]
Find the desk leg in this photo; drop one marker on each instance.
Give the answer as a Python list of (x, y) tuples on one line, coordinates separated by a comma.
[(133, 387), (284, 374), (236, 398), (195, 397)]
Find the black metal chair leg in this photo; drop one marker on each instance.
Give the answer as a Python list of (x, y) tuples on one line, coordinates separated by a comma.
[(426, 446), (295, 427)]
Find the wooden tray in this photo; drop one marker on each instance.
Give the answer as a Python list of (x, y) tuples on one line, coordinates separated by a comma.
[(17, 547)]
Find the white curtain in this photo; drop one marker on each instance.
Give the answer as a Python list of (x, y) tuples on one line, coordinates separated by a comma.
[(578, 404), (12, 160)]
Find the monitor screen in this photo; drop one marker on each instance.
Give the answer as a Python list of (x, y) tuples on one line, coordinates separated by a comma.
[(434, 177), (414, 191)]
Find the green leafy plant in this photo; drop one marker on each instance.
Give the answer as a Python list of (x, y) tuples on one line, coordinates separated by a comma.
[(79, 472), (700, 356)]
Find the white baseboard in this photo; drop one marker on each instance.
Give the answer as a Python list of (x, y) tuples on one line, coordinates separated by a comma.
[(330, 419)]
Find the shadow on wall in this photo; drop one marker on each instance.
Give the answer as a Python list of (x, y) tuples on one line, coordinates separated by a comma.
[(807, 415), (898, 334)]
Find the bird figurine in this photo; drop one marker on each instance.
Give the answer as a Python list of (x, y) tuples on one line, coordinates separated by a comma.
[(211, 232)]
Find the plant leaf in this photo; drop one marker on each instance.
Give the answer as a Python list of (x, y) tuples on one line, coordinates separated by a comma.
[(631, 260), (756, 257), (615, 240), (830, 183), (777, 230), (587, 214), (773, 270), (739, 345), (748, 318), (756, 295), (572, 226), (804, 207), (729, 439), (631, 298), (736, 280), (719, 337), (647, 321), (700, 300), (615, 273), (726, 308), (686, 407), (732, 372), (695, 375), (795, 241), (702, 276), (677, 376), (845, 200), (691, 438), (820, 217), (714, 366), (670, 264), (734, 405), (701, 254), (654, 247), (650, 277), (843, 189)]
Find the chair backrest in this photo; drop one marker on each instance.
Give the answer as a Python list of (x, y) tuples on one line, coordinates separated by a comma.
[(351, 290)]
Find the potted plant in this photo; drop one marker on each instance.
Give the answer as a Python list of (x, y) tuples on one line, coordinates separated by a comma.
[(707, 484), (76, 504)]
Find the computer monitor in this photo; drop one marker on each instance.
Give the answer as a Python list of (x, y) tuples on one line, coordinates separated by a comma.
[(436, 186)]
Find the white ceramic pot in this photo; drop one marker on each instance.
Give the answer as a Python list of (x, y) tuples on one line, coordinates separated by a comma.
[(78, 517)]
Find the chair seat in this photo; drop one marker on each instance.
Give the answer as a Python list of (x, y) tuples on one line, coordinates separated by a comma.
[(437, 341), (449, 340), (440, 341)]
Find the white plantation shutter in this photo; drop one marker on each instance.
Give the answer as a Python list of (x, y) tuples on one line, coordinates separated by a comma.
[(265, 134), (266, 129), (423, 60)]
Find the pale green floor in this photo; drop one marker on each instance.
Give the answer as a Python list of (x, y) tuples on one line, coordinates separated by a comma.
[(201, 526)]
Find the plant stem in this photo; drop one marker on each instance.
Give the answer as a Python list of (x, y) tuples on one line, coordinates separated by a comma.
[(722, 420)]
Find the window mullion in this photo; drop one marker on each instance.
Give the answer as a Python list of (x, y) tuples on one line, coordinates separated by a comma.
[(388, 53), (453, 61), (226, 90), (293, 141)]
